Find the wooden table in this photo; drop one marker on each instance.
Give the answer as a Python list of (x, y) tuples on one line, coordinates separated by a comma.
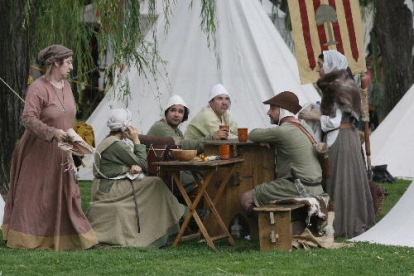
[(209, 168), (258, 167)]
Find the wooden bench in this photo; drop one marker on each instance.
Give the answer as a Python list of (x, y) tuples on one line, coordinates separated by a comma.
[(278, 223)]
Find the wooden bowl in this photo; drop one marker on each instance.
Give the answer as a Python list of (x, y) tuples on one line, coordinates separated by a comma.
[(183, 155)]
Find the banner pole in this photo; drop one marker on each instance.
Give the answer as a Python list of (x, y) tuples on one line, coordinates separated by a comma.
[(365, 118)]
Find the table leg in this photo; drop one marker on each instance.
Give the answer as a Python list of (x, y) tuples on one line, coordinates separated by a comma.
[(219, 220), (191, 212), (212, 206), (217, 197), (223, 183)]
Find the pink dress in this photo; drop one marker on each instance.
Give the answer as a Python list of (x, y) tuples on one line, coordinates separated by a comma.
[(43, 208)]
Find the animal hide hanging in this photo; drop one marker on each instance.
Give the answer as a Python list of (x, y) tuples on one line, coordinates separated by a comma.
[(339, 89)]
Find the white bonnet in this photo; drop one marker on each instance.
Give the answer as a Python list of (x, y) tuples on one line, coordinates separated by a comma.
[(175, 99), (216, 90), (119, 119)]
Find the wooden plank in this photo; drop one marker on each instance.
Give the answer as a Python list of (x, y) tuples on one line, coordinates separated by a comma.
[(274, 208), (198, 165), (190, 237), (218, 237), (282, 229)]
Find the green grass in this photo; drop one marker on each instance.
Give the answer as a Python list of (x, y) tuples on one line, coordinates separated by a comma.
[(192, 258), (396, 190)]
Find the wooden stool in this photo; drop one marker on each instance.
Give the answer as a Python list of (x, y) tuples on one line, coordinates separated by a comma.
[(278, 223)]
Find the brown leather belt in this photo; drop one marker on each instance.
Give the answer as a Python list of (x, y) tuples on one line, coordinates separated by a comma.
[(305, 183), (344, 125)]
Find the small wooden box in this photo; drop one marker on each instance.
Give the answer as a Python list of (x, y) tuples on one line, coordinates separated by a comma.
[(277, 225)]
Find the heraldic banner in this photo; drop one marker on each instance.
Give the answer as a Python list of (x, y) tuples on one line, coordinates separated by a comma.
[(320, 25)]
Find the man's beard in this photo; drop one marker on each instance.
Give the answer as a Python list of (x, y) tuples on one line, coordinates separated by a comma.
[(172, 124), (274, 122)]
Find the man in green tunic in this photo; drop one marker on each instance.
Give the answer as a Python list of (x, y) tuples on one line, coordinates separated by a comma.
[(209, 119), (294, 152), (176, 112)]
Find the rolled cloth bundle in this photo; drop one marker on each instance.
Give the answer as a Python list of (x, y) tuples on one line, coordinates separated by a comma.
[(74, 145)]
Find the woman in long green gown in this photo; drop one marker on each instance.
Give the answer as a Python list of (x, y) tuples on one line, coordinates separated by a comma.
[(128, 208)]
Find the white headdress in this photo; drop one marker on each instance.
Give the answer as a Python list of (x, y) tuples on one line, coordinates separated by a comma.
[(216, 90), (333, 60), (119, 119), (175, 99)]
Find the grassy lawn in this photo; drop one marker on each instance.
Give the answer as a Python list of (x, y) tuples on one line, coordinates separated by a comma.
[(192, 258)]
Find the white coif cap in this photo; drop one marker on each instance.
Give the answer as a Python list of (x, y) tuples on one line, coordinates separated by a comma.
[(175, 99), (216, 90), (119, 119)]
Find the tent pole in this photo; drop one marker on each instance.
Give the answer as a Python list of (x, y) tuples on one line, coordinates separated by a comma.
[(365, 82)]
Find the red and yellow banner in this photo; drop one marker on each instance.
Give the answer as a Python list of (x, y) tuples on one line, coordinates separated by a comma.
[(320, 25)]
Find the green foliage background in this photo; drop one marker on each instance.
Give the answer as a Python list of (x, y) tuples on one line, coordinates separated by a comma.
[(121, 29)]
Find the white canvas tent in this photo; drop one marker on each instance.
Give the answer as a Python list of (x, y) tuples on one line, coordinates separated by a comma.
[(2, 204), (396, 228), (255, 64), (278, 17), (392, 142)]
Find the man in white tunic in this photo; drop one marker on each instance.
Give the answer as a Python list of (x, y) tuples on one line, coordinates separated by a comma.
[(216, 113)]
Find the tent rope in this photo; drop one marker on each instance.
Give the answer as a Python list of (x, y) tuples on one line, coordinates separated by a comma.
[(12, 90)]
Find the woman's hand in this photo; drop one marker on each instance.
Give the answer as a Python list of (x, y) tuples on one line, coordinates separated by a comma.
[(221, 134), (60, 135), (135, 169), (132, 134), (309, 115)]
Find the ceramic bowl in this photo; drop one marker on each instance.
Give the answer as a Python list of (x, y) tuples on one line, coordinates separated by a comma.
[(183, 155)]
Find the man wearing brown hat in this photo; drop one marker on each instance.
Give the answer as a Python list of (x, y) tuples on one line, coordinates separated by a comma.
[(295, 154)]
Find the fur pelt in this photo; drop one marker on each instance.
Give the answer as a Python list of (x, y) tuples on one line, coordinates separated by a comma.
[(339, 90), (318, 206)]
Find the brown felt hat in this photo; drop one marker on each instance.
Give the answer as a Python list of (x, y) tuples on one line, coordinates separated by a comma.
[(287, 100)]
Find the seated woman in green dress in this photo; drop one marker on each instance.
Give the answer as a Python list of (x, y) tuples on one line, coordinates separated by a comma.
[(128, 208)]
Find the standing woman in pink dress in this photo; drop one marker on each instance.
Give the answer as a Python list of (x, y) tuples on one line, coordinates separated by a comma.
[(43, 208)]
